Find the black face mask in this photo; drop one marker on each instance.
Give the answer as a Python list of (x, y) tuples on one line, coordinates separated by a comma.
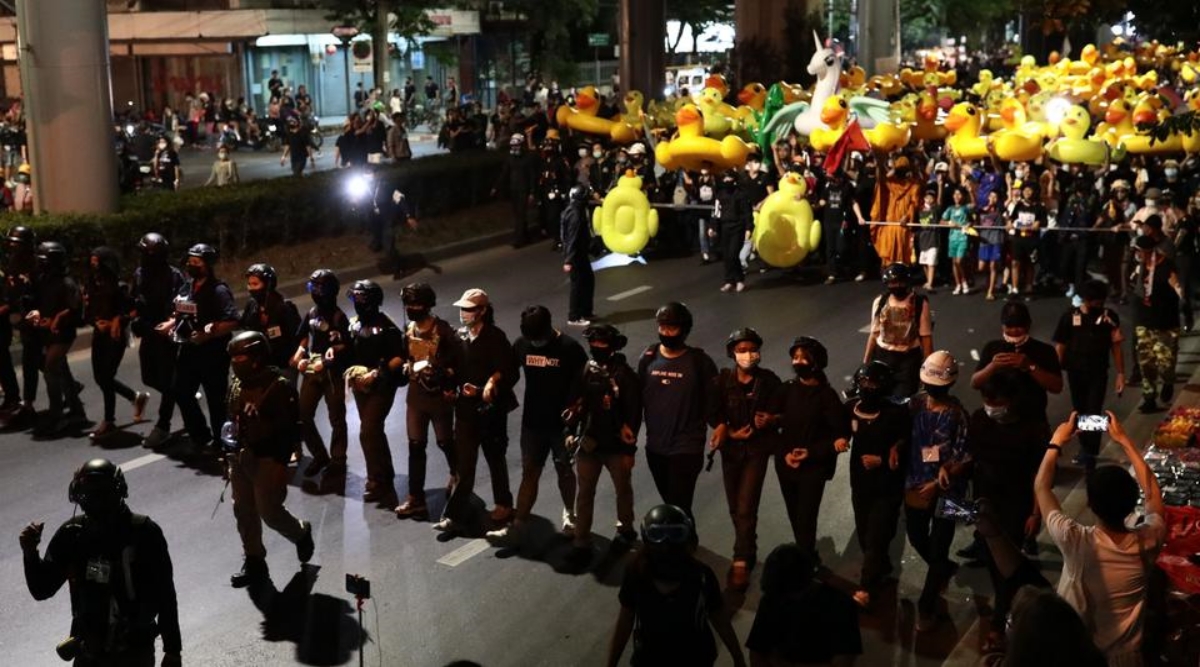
[(243, 369), (900, 292), (937, 391), (870, 400), (259, 296), (365, 311), (675, 342), (602, 355), (667, 565), (416, 314), (323, 301), (804, 371), (196, 272)]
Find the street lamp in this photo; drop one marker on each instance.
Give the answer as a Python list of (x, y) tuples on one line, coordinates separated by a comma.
[(345, 33)]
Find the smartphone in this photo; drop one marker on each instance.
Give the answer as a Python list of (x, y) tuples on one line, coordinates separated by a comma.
[(1092, 423), (956, 510)]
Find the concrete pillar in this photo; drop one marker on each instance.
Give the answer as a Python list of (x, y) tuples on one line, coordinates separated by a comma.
[(62, 46), (879, 35), (642, 29)]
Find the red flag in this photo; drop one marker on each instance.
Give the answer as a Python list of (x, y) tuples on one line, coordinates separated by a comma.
[(851, 140)]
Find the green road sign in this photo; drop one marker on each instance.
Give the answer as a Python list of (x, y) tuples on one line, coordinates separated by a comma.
[(598, 39)]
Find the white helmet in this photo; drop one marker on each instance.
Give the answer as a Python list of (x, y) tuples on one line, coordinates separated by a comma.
[(939, 369), (637, 149), (516, 140)]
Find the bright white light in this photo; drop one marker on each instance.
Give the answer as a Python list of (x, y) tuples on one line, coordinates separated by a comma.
[(1056, 110), (1117, 30), (358, 186), (129, 128)]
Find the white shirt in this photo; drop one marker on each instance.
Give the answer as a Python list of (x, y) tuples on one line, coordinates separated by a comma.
[(1105, 580)]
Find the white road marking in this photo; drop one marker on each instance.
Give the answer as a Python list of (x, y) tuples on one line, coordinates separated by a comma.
[(465, 553), (141, 461), (866, 329), (630, 292)]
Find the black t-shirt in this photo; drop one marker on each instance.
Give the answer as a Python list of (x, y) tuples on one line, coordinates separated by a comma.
[(1031, 397), (811, 628), (298, 143), (54, 294), (1087, 337), (168, 162), (672, 628), (347, 146), (550, 371), (875, 437), (838, 202), (738, 402), (377, 340), (1005, 459), (1160, 310), (813, 418), (279, 321), (1024, 215), (214, 303), (677, 395), (324, 329)]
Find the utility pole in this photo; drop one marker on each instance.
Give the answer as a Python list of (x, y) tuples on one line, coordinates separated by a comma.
[(62, 50), (379, 35), (643, 27)]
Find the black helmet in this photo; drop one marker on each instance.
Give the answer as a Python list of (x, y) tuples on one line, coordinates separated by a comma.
[(580, 192), (874, 375), (154, 245), (204, 252), (606, 333), (109, 260), (816, 351), (53, 255), (897, 272), (674, 314), (250, 343), (323, 283), (418, 294), (667, 524), (98, 479), (745, 334), (536, 323), (22, 235), (265, 273), (365, 293)]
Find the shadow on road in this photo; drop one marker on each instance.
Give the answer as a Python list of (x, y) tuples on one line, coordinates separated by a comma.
[(322, 627)]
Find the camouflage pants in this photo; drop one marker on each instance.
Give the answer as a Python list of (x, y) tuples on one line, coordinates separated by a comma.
[(1157, 350)]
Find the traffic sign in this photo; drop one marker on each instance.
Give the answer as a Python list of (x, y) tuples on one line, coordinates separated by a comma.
[(598, 39)]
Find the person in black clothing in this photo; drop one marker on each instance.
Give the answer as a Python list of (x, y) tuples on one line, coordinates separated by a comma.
[(671, 600), (118, 567), (410, 93), (167, 168), (577, 241), (275, 84), (18, 293), (880, 429), (836, 202), (378, 353), (434, 357), (431, 90), (730, 216), (389, 207), (346, 145), (57, 311), (485, 397), (320, 359), (551, 362), (265, 419), (1187, 257), (1156, 292), (360, 95), (269, 313), (1036, 361), (678, 397), (1081, 210), (107, 306), (1083, 339), (1006, 448), (801, 620), (604, 418), (155, 285), (205, 316), (517, 176), (814, 429), (553, 183), (298, 146), (747, 412)]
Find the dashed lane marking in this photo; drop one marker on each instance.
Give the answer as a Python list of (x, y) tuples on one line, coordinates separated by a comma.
[(465, 553), (141, 461), (630, 292)]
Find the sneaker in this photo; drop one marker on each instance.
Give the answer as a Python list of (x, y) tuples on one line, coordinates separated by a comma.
[(1071, 291), (305, 546), (315, 466), (957, 290), (1012, 291), (102, 429), (378, 494), (501, 514), (413, 508), (966, 289), (739, 575), (295, 459), (581, 322), (156, 438), (991, 297), (1167, 393), (448, 526), (568, 523), (727, 287), (507, 535), (139, 406), (254, 570), (740, 287), (860, 277)]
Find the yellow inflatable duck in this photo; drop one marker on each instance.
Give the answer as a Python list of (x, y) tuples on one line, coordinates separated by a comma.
[(984, 85), (892, 136), (691, 150), (927, 128), (629, 129), (1073, 148), (719, 118), (751, 98), (582, 118), (1149, 111), (1019, 141), (1191, 140), (965, 142), (833, 114), (625, 221), (1118, 123), (784, 230)]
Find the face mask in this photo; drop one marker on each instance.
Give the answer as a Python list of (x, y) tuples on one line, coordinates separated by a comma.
[(870, 399), (900, 292), (937, 391), (582, 152), (597, 154), (1150, 203), (223, 155), (259, 295), (514, 151), (242, 369), (1170, 173), (468, 319), (162, 147), (365, 311), (997, 413), (602, 354), (747, 360), (804, 371), (416, 314), (1016, 340), (671, 342), (196, 272), (621, 159), (539, 343), (667, 565)]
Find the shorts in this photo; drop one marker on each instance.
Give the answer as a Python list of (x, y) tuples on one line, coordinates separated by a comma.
[(539, 443), (991, 252), (958, 246), (928, 257), (1023, 247)]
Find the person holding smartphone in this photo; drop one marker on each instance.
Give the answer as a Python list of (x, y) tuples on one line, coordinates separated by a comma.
[(1036, 361)]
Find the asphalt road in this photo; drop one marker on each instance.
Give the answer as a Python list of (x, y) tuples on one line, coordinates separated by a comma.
[(481, 603), (257, 165)]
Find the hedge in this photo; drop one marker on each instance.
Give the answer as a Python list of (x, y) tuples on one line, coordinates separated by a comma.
[(242, 219)]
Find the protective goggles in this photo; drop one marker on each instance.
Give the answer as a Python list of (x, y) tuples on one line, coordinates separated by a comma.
[(318, 289), (668, 533)]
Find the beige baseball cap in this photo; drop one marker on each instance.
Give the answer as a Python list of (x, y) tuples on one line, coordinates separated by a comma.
[(472, 298)]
